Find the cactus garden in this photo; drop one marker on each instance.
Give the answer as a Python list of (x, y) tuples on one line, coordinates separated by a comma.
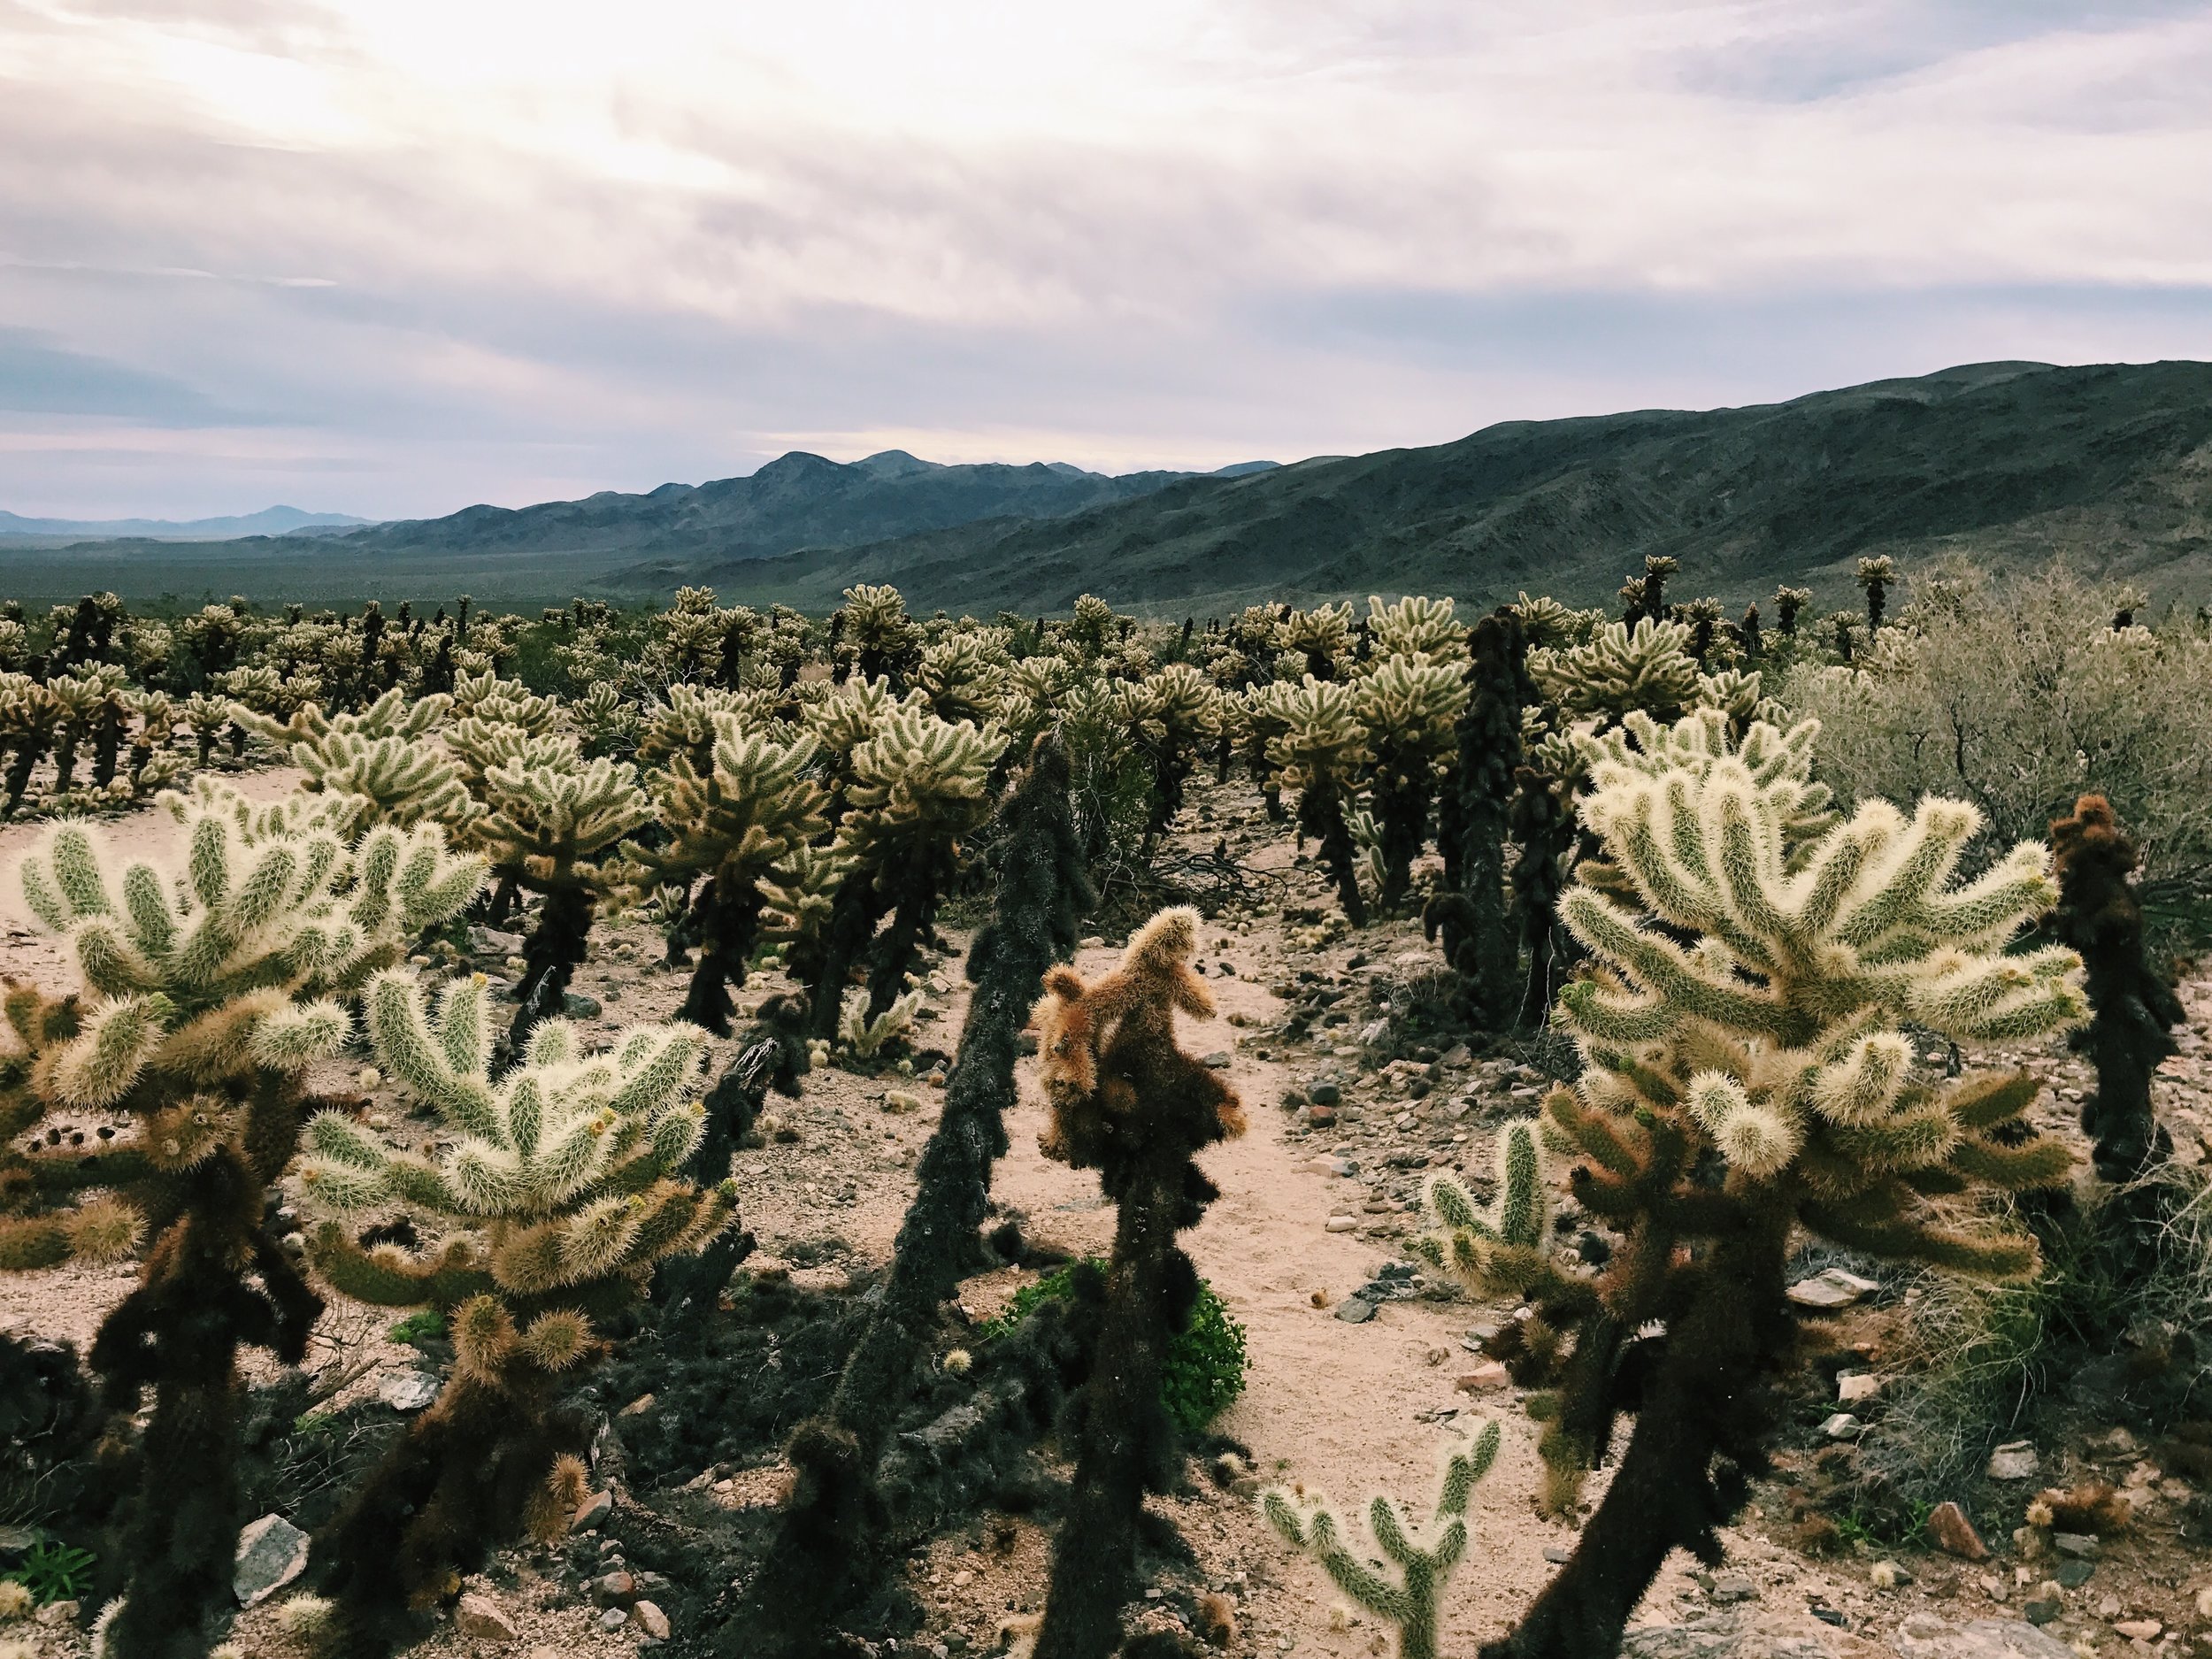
[(1333, 1129)]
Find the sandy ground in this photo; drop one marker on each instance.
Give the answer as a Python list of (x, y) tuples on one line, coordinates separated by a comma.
[(1344, 1407)]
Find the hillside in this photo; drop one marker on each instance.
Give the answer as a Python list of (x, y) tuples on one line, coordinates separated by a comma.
[(2007, 462), (551, 550), (268, 521)]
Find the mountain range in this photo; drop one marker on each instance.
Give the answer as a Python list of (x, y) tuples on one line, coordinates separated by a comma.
[(268, 521), (2108, 466)]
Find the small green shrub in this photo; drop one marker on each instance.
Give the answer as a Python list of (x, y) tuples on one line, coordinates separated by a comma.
[(422, 1325), (1205, 1367), (54, 1572)]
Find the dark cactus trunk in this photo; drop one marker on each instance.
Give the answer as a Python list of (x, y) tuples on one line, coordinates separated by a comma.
[(1542, 831), (832, 1546), (1479, 940), (550, 956), (729, 930), (1321, 815), (1699, 1440)]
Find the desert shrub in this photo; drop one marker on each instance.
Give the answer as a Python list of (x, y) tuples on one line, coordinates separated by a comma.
[(2020, 696)]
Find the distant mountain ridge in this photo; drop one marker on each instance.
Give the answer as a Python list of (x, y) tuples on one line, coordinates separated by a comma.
[(268, 521), (2110, 465), (796, 500)]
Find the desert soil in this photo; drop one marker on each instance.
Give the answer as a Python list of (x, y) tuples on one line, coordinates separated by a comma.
[(1349, 1409)]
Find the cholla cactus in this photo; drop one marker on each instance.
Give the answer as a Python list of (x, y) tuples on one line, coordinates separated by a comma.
[(552, 825), (30, 718), (1426, 1557), (1322, 636), (1876, 575), (683, 723), (874, 637), (547, 1211), (207, 715), (754, 808), (864, 1037), (918, 785), (1127, 1100), (607, 723), (1788, 601), (1745, 1073), (376, 762), (964, 675), (1648, 667), (1176, 715), (1419, 626), (1319, 752), (1411, 707), (206, 994)]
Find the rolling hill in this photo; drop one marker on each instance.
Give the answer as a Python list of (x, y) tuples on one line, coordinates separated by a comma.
[(268, 521), (547, 552), (2011, 462)]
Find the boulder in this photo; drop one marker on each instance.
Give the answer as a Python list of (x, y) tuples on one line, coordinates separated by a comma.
[(271, 1552), (1950, 1532), (2014, 1461), (650, 1620), (480, 1618), (407, 1390)]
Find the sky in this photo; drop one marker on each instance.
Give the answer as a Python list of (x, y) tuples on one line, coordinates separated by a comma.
[(394, 257)]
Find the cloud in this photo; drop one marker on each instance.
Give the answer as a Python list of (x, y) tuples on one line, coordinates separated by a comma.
[(474, 249)]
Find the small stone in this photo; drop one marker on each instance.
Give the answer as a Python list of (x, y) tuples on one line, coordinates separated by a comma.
[(638, 1407), (1217, 1061), (16, 1541), (1321, 1116), (480, 1618), (59, 1613), (1483, 1378), (1324, 1093), (2080, 1546), (1558, 1554), (2139, 1629), (2204, 1602), (1825, 1292), (614, 1618), (594, 1509), (1856, 1386), (489, 941), (1342, 1224), (576, 1005), (1842, 1426), (1734, 1586), (271, 1552), (2015, 1461), (616, 1589), (651, 1620), (2073, 1575), (1950, 1532), (407, 1390), (2045, 1605), (1356, 1310), (1374, 1032)]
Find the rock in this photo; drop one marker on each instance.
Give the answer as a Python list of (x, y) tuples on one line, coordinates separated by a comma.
[(2139, 1629), (271, 1552), (1374, 1032), (480, 1618), (1825, 1292), (594, 1510), (1355, 1309), (1483, 1378), (1887, 1575), (651, 1620), (16, 1541), (1327, 1166), (1842, 1426), (2045, 1605), (614, 1618), (2072, 1575), (1456, 1056), (638, 1407), (2080, 1546), (1558, 1554), (1217, 1061), (1321, 1116), (489, 941), (1324, 1093), (576, 1005), (1856, 1386), (1926, 1636), (2204, 1602), (60, 1613), (1950, 1532), (1716, 1640), (1734, 1586), (2014, 1461), (618, 1588), (1343, 1224), (407, 1390)]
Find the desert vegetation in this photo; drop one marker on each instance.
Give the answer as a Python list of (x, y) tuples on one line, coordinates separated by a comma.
[(446, 1055)]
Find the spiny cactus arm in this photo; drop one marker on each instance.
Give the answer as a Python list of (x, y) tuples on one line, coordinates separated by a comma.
[(387, 1276), (1663, 967), (1998, 999), (2000, 1257), (115, 1041), (401, 1037)]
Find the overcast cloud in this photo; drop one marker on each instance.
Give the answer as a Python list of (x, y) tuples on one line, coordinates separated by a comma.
[(393, 256)]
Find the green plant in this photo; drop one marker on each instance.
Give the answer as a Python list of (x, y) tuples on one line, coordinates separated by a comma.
[(54, 1572), (423, 1325)]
